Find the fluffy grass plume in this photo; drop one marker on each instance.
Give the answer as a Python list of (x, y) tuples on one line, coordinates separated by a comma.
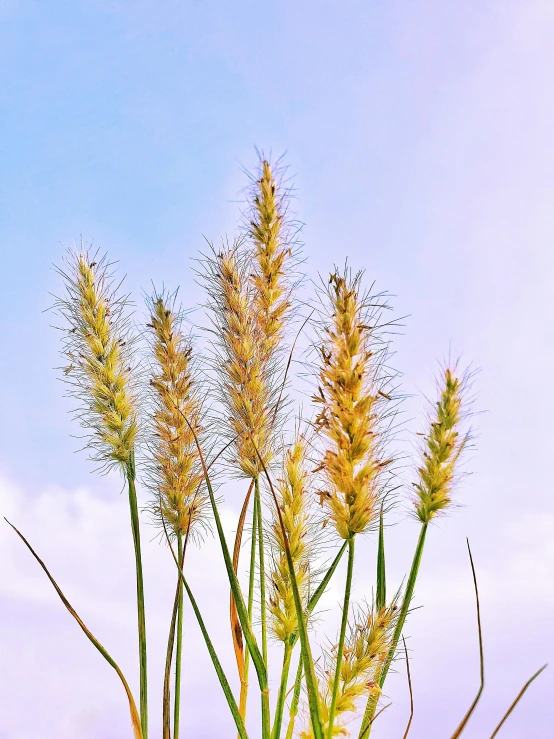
[(293, 493), (244, 372), (97, 345), (367, 645), (441, 450), (176, 473), (269, 234), (351, 398)]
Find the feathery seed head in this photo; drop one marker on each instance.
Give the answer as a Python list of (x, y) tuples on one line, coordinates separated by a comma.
[(369, 638), (246, 388), (293, 495), (270, 236), (97, 345), (176, 474), (441, 450), (351, 395)]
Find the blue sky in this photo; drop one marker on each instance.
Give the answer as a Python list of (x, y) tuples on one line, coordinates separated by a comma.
[(420, 140)]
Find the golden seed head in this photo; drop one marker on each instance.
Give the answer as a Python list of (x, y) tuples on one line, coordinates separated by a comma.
[(367, 644), (351, 397), (246, 387), (176, 473), (268, 233), (442, 447), (97, 346), (294, 501)]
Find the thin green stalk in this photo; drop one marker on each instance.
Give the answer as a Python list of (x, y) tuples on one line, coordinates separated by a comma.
[(242, 613), (278, 720), (373, 699), (517, 699), (263, 604), (217, 664), (213, 655), (340, 650), (293, 712), (166, 702), (130, 471), (251, 580), (179, 650)]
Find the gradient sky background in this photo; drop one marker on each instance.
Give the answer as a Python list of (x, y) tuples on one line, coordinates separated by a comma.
[(420, 138)]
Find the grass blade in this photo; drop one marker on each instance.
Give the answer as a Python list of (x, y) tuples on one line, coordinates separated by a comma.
[(410, 689), (132, 706), (473, 706), (517, 699), (213, 655)]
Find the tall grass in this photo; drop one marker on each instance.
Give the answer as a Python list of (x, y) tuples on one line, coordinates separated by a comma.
[(170, 413)]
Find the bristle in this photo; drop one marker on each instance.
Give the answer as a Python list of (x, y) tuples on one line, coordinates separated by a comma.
[(442, 447), (351, 397), (267, 231), (293, 495), (97, 347), (176, 473)]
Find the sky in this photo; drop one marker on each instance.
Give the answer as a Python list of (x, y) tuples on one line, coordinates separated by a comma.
[(419, 140)]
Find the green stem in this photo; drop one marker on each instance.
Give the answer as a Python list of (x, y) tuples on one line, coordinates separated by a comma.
[(242, 613), (140, 597), (340, 650), (295, 698), (166, 703), (276, 733), (179, 651), (216, 663), (263, 604), (373, 698), (251, 580)]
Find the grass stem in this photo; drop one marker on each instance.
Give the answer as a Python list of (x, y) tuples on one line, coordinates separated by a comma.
[(340, 649), (141, 617)]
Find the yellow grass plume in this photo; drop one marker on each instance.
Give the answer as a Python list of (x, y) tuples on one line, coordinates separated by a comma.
[(244, 371), (441, 449), (97, 347), (351, 398), (176, 473), (293, 493), (269, 234)]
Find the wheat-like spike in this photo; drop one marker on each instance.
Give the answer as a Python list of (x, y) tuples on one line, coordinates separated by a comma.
[(351, 397), (442, 447), (246, 387), (366, 648), (176, 473), (97, 346), (269, 235), (293, 494)]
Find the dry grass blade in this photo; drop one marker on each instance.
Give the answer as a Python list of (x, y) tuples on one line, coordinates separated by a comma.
[(132, 706), (517, 699), (410, 689), (473, 706)]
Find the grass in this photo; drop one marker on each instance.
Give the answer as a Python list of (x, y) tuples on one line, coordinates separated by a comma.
[(171, 413)]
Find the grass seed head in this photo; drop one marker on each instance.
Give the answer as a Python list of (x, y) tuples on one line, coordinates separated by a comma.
[(351, 396), (368, 641), (97, 345), (245, 370), (293, 494), (270, 235), (176, 473), (441, 449)]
